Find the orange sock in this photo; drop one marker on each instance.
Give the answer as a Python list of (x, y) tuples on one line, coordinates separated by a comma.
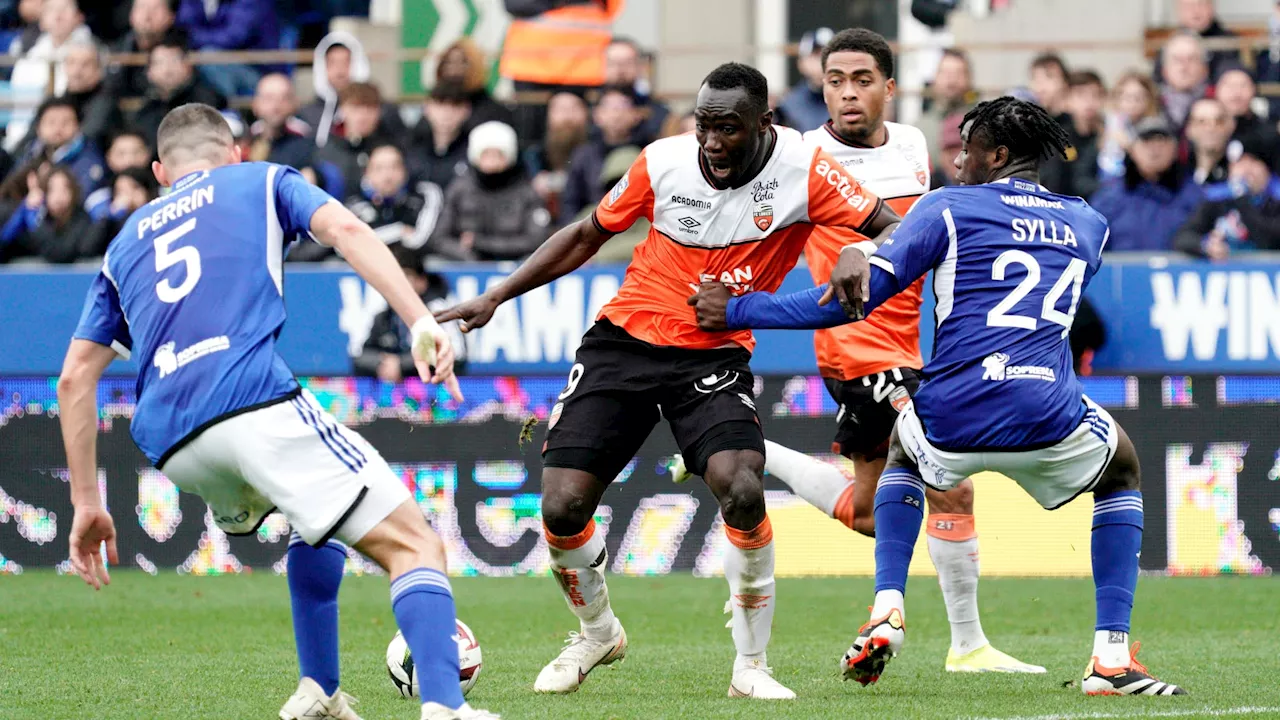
[(757, 537), (951, 526), (843, 510), (572, 542)]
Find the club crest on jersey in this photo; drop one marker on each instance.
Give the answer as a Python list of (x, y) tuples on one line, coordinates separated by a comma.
[(619, 188), (899, 398), (921, 177), (763, 215)]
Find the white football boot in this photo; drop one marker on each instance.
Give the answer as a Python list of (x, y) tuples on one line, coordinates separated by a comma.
[(753, 679), (580, 656), (310, 703), (436, 711)]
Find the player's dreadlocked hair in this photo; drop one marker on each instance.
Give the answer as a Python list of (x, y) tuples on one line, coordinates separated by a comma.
[(1023, 127)]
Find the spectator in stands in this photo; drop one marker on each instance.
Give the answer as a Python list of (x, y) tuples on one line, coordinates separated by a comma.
[(172, 82), (360, 106), (276, 134), (621, 247), (802, 107), (131, 188), (95, 103), (1237, 92), (230, 25), (59, 141), (548, 161), (21, 202), (149, 22), (1209, 129), (1133, 98), (56, 234), (29, 12), (950, 92), (944, 167), (615, 117), (340, 60), (1146, 207), (386, 354), (400, 213), (1078, 174), (1241, 214), (127, 148), (41, 68), (679, 125), (1200, 18), (440, 138), (464, 66), (1184, 75), (491, 212), (623, 63), (1049, 85)]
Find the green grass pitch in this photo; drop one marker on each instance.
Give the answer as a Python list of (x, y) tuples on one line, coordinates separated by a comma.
[(178, 647)]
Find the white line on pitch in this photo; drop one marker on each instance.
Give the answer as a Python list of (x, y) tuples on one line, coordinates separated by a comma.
[(1203, 712)]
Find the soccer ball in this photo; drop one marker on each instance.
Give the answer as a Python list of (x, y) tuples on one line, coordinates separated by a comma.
[(405, 677)]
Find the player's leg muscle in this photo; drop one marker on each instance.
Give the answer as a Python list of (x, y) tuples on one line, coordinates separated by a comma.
[(403, 541), (866, 473), (956, 501), (1123, 472)]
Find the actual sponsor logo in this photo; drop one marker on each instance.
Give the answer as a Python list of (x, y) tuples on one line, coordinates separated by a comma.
[(167, 361), (691, 202), (996, 367), (838, 178)]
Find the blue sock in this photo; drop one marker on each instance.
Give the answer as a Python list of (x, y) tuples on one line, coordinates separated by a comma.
[(423, 604), (314, 577), (899, 511), (1117, 540)]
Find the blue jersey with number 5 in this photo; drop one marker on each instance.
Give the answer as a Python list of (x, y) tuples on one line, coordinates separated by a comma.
[(1011, 261), (192, 288)]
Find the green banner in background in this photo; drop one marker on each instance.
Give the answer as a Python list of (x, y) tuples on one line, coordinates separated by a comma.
[(434, 24)]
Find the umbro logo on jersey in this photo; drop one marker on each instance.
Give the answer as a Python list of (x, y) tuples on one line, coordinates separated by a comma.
[(689, 222), (691, 202)]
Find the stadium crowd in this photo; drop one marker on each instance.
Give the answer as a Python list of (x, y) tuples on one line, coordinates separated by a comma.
[(1181, 156)]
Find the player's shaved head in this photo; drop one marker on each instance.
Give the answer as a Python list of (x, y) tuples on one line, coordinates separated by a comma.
[(193, 136), (732, 121)]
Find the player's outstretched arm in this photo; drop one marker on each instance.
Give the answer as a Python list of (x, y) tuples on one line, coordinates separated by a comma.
[(561, 254), (78, 415), (336, 226)]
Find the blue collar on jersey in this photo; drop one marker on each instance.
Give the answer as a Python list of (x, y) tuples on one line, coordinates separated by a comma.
[(1020, 184)]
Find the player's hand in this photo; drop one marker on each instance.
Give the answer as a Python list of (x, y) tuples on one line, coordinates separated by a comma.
[(474, 313), (850, 282), (91, 527), (711, 304), (433, 356)]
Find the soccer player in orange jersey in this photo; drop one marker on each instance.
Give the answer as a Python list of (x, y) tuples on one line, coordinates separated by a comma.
[(872, 368), (735, 202)]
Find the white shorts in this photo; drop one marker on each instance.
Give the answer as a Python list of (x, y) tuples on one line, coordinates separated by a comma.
[(1054, 476), (294, 457)]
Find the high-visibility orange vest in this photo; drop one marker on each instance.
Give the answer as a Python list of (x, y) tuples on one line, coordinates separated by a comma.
[(564, 46)]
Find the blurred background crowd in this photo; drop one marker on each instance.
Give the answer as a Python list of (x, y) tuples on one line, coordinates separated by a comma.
[(501, 148)]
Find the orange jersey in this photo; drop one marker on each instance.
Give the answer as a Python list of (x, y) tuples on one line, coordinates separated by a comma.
[(747, 237), (897, 171)]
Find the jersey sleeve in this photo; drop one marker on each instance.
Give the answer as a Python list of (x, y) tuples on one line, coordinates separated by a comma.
[(836, 199), (629, 200), (296, 201), (102, 321), (926, 238)]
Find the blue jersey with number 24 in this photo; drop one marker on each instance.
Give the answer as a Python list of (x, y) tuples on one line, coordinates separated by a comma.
[(192, 288), (1010, 261)]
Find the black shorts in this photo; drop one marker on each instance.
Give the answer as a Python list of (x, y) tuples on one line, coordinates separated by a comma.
[(869, 406), (619, 387)]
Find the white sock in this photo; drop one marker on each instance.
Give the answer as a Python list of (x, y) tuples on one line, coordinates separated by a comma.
[(887, 600), (819, 483), (580, 572), (1111, 647), (752, 595), (957, 564)]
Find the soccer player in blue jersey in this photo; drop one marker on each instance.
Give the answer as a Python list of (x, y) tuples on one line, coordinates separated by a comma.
[(192, 288), (1010, 261)]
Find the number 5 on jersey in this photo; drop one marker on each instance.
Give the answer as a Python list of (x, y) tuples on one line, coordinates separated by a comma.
[(189, 256)]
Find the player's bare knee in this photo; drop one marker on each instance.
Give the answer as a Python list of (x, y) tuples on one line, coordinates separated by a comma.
[(736, 477), (956, 501), (567, 504)]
